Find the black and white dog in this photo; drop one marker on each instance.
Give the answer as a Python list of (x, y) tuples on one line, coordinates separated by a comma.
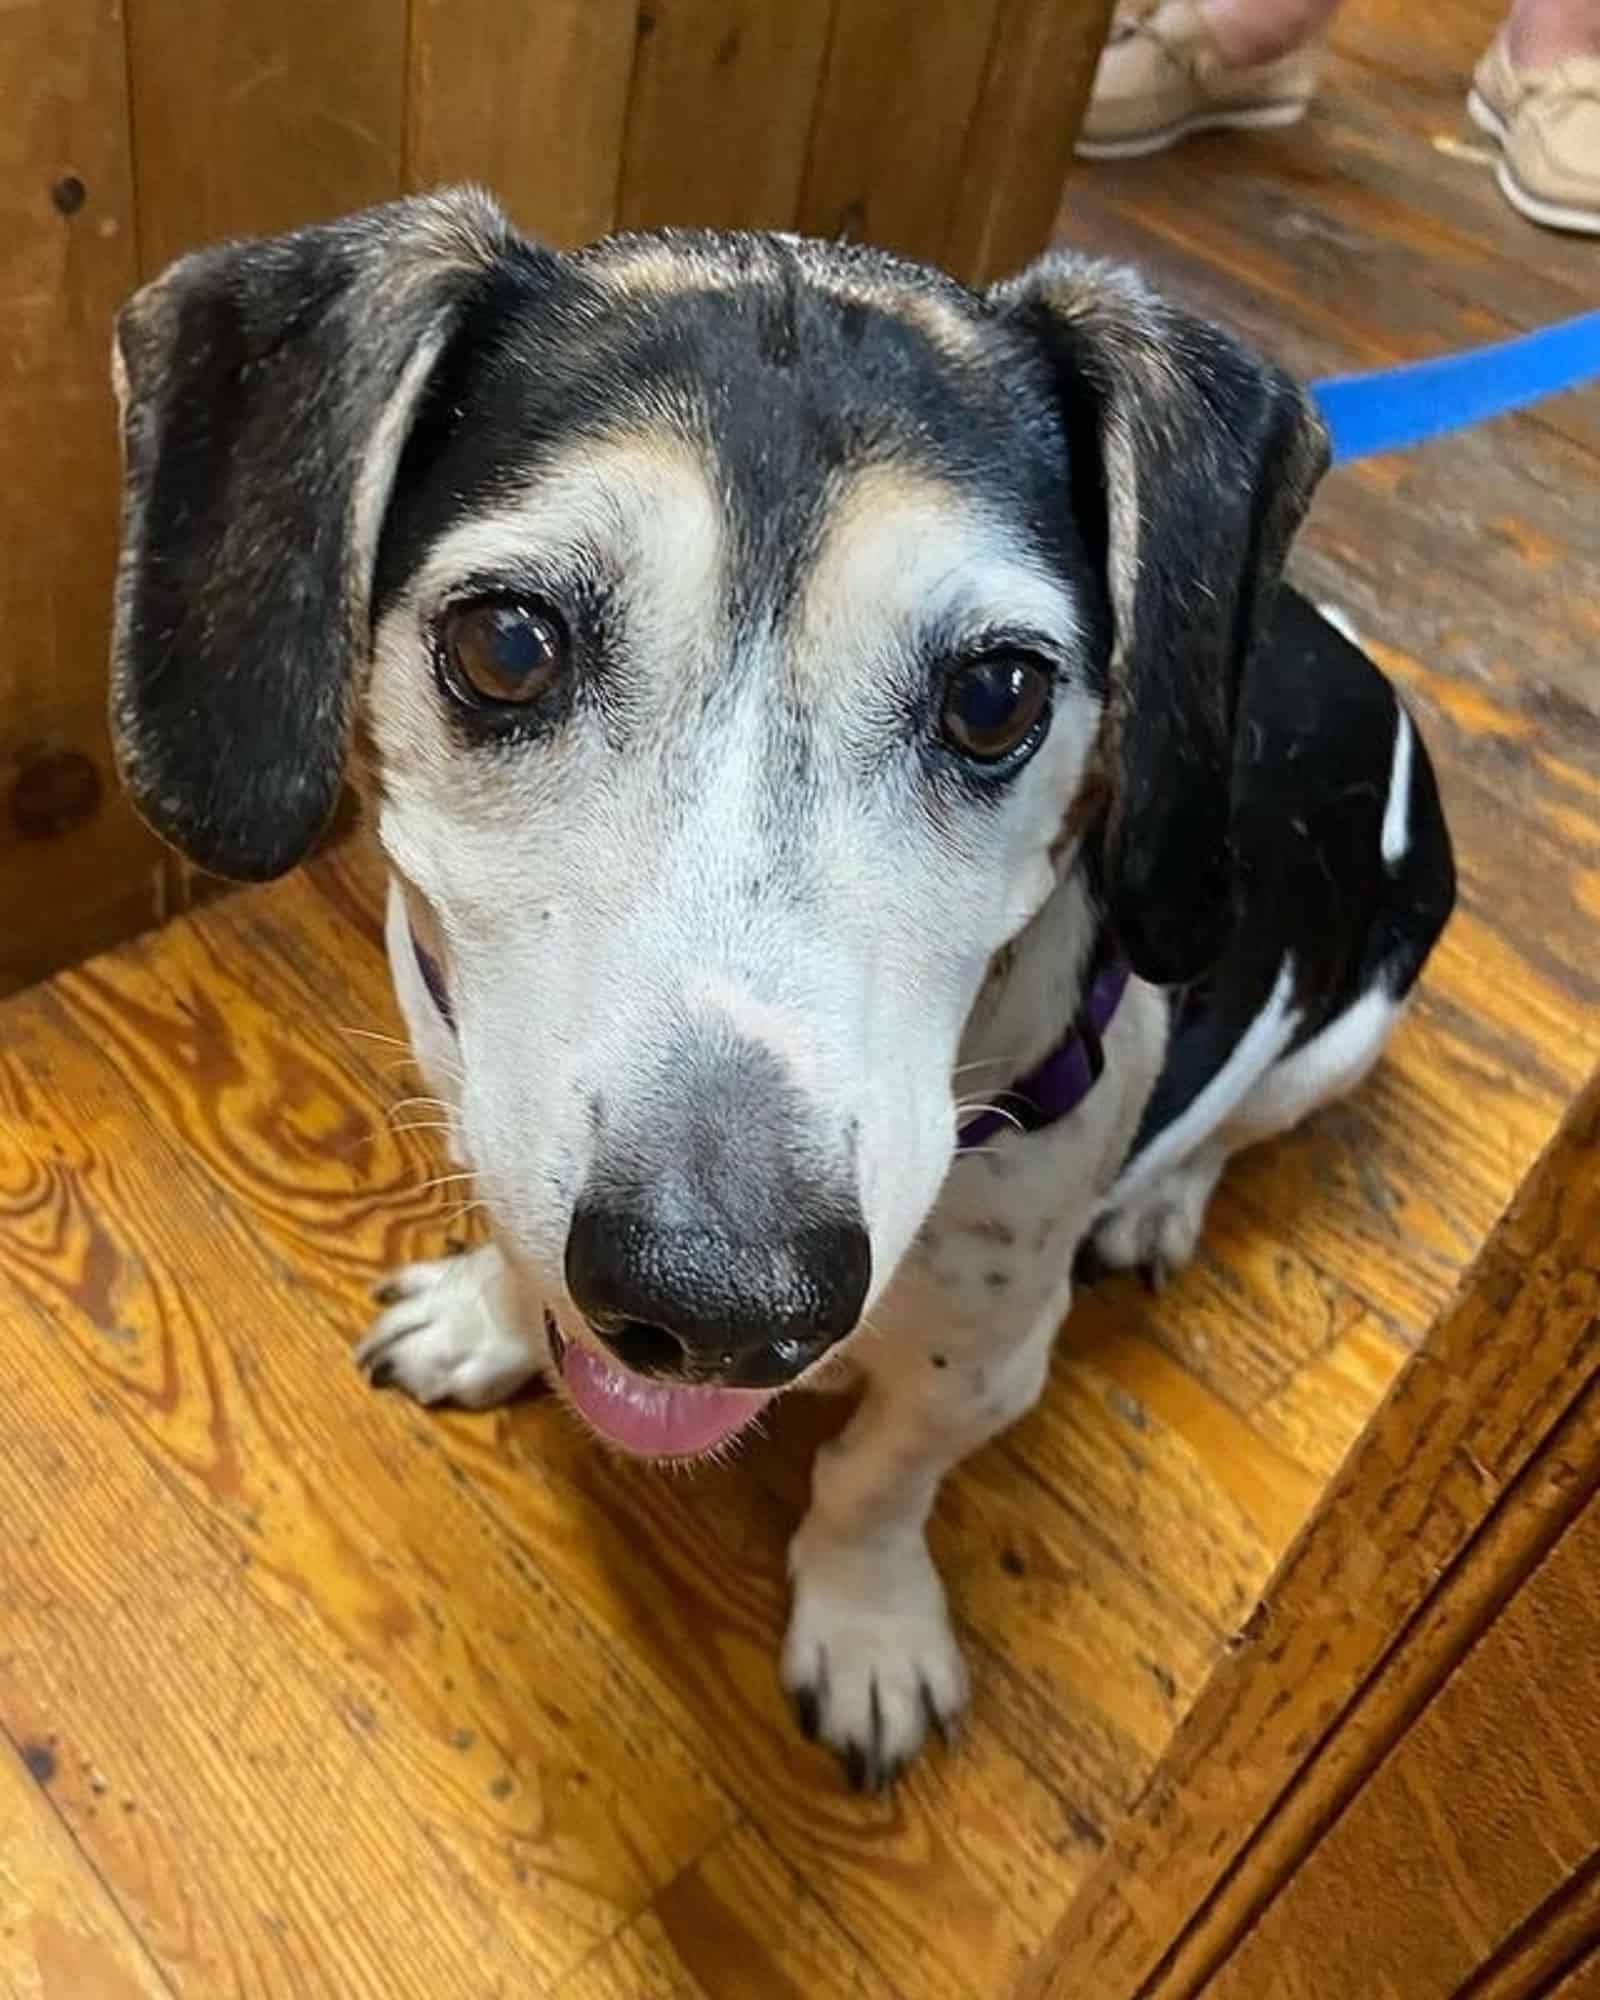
[(863, 820)]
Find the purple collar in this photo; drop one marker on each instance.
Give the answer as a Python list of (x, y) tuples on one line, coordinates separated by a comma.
[(1069, 1072), (1046, 1094)]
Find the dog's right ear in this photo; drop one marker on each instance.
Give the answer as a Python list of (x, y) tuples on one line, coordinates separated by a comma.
[(1193, 460), (266, 389)]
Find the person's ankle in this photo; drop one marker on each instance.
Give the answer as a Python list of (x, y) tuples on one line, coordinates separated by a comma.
[(1541, 35), (1244, 39)]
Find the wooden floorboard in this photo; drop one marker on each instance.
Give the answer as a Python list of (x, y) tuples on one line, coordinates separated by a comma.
[(61, 1933), (306, 1692)]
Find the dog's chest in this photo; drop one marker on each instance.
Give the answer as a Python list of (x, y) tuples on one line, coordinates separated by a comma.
[(997, 1248)]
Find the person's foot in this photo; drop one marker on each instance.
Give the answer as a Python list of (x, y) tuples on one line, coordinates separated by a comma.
[(1547, 123), (1162, 77)]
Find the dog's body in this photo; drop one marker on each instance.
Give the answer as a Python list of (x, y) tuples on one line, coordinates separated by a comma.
[(803, 704)]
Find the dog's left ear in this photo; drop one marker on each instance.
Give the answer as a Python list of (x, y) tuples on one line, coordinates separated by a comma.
[(266, 390), (1192, 463)]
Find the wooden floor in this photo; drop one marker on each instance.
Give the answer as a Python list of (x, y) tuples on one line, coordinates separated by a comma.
[(308, 1693)]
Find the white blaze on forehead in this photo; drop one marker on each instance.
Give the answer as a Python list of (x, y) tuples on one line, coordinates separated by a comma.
[(637, 268), (903, 551)]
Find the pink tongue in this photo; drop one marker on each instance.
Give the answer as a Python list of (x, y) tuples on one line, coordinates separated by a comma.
[(648, 1418)]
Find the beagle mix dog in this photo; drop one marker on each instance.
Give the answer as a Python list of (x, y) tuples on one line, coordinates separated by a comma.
[(864, 822)]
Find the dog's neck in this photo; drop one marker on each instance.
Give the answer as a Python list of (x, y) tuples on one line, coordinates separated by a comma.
[(1030, 995)]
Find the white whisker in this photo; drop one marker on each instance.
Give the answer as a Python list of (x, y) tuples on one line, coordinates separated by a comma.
[(968, 1110), (985, 1062), (460, 1213)]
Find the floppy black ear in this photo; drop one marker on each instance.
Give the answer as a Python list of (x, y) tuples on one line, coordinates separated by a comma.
[(1193, 460), (266, 390)]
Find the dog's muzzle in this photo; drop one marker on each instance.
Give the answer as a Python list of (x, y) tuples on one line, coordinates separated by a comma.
[(676, 1301), (718, 1238)]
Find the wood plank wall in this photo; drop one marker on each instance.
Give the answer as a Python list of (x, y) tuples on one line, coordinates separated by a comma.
[(139, 128)]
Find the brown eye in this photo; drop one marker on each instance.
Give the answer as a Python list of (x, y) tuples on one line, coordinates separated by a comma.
[(501, 654), (992, 706)]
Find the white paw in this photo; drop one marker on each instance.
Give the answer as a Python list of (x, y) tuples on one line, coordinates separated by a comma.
[(1158, 1230), (443, 1335), (869, 1658)]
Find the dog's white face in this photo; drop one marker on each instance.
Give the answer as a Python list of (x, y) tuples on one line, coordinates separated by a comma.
[(713, 904), (729, 624)]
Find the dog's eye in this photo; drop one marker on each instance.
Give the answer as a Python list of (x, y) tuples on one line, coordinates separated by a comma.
[(991, 706), (500, 653)]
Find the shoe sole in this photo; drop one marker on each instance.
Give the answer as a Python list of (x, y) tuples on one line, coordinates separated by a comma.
[(1254, 118), (1550, 214)]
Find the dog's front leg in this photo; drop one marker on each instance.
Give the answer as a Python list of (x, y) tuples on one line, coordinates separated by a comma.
[(870, 1658), (453, 1331)]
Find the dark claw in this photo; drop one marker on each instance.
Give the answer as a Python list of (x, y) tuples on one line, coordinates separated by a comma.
[(936, 1715), (808, 1712), (381, 1373), (855, 1767), (1088, 1266), (388, 1293), (1153, 1276)]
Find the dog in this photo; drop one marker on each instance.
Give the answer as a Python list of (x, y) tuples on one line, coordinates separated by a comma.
[(868, 828)]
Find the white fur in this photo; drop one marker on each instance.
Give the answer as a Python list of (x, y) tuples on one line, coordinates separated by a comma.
[(1396, 836), (1341, 622), (1330, 1064), (591, 904), (449, 1332), (1258, 1048), (567, 874), (1156, 1224)]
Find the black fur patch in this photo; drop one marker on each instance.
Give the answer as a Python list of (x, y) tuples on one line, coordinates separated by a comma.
[(1194, 461)]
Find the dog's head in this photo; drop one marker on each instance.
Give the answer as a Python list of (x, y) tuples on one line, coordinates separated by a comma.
[(735, 630)]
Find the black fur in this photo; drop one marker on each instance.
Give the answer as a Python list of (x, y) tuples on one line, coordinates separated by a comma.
[(1311, 777), (782, 381), (257, 377), (1136, 448), (1194, 463)]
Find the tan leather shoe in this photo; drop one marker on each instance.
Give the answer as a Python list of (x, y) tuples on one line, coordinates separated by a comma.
[(1161, 77), (1547, 122)]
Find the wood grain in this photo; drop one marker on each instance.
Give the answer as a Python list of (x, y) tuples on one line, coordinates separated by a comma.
[(1019, 139), (1578, 1983), (61, 1935), (1494, 1379), (181, 1697), (530, 102), (1486, 1810), (903, 81), (1554, 1952), (517, 1791), (737, 1923), (249, 118), (355, 1666), (76, 869), (720, 112), (704, 1613)]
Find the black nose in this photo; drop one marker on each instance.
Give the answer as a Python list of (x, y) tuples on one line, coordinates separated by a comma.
[(706, 1304)]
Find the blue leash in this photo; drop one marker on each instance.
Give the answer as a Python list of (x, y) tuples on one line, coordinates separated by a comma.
[(1391, 408)]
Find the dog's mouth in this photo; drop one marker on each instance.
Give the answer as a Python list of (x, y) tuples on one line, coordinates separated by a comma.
[(644, 1418)]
